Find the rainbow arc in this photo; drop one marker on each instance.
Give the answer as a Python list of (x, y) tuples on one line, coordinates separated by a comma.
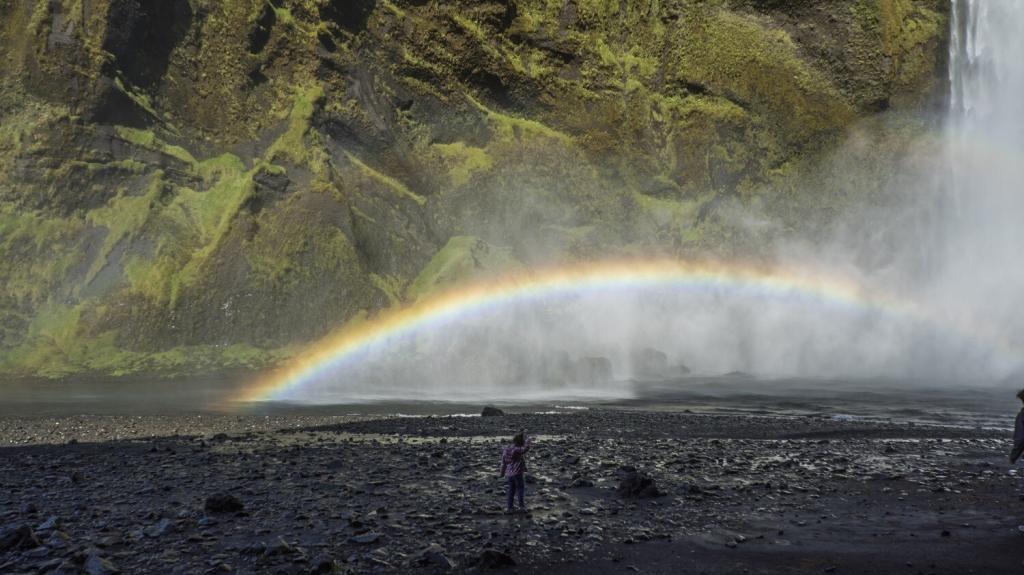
[(328, 357)]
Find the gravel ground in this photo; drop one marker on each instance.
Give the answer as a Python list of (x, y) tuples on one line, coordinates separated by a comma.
[(608, 491)]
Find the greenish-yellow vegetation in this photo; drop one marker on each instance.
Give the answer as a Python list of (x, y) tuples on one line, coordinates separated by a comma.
[(736, 57), (463, 161), (388, 182), (40, 253), (292, 146), (123, 217), (461, 259), (148, 139)]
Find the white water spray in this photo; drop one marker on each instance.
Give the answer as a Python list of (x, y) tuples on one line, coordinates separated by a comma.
[(983, 224)]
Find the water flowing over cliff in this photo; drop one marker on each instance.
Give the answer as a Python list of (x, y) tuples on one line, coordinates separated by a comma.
[(982, 232)]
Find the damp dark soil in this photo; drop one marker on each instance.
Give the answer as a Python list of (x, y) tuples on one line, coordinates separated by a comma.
[(319, 494)]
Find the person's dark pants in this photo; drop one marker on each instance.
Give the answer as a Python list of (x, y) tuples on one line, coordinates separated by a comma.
[(516, 486)]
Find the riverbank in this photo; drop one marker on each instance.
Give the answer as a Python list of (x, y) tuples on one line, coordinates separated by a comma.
[(294, 494)]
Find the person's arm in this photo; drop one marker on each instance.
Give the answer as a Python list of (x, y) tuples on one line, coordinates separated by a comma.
[(1018, 449), (501, 469), (1018, 438)]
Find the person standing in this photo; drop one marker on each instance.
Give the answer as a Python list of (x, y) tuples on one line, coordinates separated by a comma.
[(513, 469), (1018, 432)]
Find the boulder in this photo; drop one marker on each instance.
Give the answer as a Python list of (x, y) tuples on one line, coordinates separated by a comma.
[(649, 363), (556, 368), (434, 556), (223, 503), (637, 484), (492, 559), (491, 411), (17, 537), (593, 370)]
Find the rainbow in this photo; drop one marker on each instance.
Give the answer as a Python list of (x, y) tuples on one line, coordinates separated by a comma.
[(331, 353)]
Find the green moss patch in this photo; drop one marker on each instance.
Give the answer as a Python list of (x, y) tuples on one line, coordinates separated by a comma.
[(461, 259)]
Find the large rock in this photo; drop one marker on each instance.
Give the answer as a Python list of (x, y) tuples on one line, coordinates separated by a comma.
[(649, 363), (491, 411), (637, 484), (223, 503), (17, 537), (593, 371), (494, 559)]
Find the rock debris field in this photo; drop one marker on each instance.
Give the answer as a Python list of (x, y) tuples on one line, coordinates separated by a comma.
[(614, 491)]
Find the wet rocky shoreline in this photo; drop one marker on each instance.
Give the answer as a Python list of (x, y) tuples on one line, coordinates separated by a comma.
[(608, 491)]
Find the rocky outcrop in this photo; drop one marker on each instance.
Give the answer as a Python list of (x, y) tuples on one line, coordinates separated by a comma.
[(190, 185), (650, 363)]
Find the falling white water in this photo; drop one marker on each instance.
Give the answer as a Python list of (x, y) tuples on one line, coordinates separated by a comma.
[(983, 220)]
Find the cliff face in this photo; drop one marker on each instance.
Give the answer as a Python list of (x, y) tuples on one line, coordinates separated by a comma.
[(198, 184)]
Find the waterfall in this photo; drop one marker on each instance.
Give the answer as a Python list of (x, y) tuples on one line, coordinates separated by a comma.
[(986, 74), (983, 223)]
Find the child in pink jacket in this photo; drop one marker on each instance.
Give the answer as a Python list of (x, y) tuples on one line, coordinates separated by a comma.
[(513, 467)]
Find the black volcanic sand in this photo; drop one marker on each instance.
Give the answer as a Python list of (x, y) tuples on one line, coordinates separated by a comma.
[(740, 494)]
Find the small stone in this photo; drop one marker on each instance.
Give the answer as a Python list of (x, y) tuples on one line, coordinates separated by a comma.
[(223, 503), (281, 547), (53, 522), (160, 529), (96, 565), (58, 540), (66, 568), (48, 566), (37, 553), (257, 548), (434, 556), (324, 567), (365, 538), (206, 522)]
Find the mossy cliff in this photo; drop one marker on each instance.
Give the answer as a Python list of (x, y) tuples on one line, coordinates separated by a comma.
[(192, 185)]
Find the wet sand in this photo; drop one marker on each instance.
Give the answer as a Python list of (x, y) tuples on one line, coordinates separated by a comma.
[(737, 493)]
